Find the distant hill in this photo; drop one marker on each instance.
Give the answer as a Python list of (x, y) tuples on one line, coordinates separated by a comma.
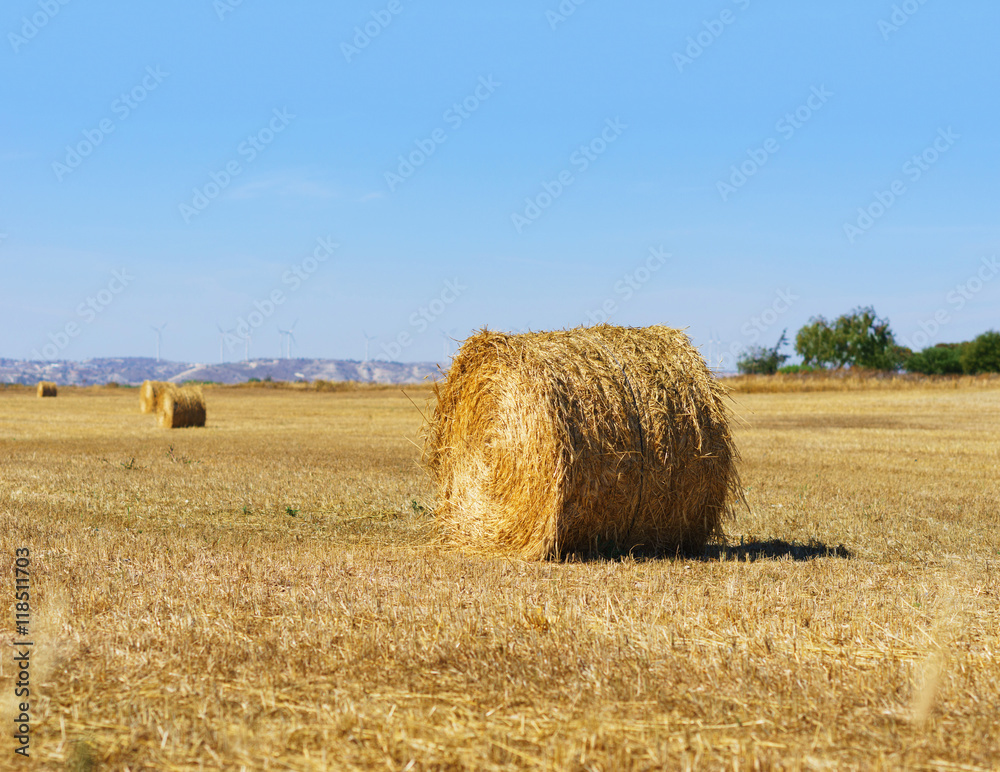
[(134, 370)]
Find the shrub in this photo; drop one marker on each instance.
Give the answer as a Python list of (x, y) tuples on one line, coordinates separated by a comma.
[(758, 360), (942, 359), (799, 369), (982, 355)]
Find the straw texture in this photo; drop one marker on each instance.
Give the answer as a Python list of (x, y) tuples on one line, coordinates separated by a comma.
[(151, 394), (181, 406), (591, 440)]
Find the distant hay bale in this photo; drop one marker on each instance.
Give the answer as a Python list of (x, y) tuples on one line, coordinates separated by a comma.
[(181, 406), (151, 394), (591, 440), (47, 389)]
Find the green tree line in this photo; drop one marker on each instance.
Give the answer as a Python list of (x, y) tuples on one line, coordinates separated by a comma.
[(862, 339)]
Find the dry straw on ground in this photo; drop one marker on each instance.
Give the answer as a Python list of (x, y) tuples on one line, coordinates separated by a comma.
[(601, 439), (185, 620), (854, 380), (47, 389), (151, 394), (181, 406)]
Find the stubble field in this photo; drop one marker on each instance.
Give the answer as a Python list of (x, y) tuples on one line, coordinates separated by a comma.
[(266, 593)]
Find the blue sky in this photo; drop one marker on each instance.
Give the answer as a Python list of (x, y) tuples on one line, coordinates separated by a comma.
[(414, 171)]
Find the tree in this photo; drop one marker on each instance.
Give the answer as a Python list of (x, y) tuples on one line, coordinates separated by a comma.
[(815, 343), (758, 360), (857, 339), (942, 359), (982, 355)]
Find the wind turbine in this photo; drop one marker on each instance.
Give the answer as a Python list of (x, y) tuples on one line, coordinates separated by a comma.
[(222, 339), (288, 340), (368, 340), (449, 338), (246, 350), (718, 349), (159, 336)]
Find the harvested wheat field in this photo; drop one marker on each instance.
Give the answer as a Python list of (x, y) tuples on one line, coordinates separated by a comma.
[(267, 593)]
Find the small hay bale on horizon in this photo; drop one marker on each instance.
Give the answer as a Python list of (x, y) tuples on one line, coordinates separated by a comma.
[(47, 389), (151, 394), (181, 407), (592, 440)]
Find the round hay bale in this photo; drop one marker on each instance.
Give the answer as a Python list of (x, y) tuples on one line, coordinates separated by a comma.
[(181, 406), (591, 440), (47, 389), (151, 394)]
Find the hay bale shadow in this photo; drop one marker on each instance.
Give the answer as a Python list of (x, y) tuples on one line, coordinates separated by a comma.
[(747, 552), (774, 549)]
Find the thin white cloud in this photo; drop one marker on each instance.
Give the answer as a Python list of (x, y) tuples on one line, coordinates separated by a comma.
[(282, 185)]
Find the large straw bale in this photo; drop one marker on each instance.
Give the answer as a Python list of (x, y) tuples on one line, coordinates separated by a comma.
[(181, 406), (151, 394), (47, 389), (591, 440)]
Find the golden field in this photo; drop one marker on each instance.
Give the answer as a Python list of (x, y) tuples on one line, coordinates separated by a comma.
[(267, 593)]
